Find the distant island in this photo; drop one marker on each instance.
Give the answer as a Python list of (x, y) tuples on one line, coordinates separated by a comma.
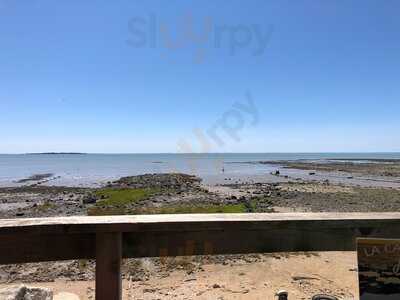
[(56, 153)]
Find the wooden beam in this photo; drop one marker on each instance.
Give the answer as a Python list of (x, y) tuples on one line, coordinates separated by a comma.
[(22, 248), (108, 266), (188, 222), (233, 239), (28, 240)]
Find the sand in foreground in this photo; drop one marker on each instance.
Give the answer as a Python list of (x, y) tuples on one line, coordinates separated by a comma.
[(301, 275)]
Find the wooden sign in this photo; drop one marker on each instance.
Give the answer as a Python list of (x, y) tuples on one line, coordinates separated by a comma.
[(379, 269)]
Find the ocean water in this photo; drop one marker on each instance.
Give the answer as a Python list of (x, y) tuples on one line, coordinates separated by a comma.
[(95, 169)]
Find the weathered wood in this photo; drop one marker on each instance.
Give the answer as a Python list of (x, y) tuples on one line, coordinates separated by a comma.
[(21, 248), (108, 266), (278, 237), (45, 239), (188, 222)]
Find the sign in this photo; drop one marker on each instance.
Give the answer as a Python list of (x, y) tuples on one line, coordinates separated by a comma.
[(378, 269)]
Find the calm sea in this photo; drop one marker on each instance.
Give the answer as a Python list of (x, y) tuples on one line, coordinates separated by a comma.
[(92, 169)]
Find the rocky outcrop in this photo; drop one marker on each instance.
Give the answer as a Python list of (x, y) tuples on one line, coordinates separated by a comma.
[(23, 292), (90, 198), (166, 180)]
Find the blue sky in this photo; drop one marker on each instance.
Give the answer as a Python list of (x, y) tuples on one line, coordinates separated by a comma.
[(99, 76)]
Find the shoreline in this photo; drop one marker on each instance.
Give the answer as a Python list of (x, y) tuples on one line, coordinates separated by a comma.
[(182, 193), (354, 172)]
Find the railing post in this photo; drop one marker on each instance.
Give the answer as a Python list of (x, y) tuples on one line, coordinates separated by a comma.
[(108, 266)]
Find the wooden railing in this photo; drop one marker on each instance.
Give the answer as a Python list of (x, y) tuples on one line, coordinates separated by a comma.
[(109, 239)]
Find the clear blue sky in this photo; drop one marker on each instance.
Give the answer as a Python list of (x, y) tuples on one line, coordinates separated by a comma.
[(71, 79)]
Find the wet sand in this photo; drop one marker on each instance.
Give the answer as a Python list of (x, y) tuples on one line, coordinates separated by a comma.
[(357, 172)]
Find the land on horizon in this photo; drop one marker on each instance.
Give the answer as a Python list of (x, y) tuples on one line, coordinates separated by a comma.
[(202, 153)]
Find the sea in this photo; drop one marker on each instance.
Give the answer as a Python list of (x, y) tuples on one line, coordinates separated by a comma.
[(97, 169)]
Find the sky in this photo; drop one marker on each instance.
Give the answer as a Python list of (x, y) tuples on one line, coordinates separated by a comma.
[(199, 76)]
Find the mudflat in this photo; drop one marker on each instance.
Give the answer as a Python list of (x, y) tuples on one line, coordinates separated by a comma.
[(256, 276), (361, 166)]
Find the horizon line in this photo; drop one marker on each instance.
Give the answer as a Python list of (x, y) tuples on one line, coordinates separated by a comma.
[(185, 153)]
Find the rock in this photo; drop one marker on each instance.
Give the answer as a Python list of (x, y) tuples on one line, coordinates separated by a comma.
[(89, 199), (311, 173), (163, 180), (12, 293), (36, 177), (38, 294), (23, 292), (216, 286)]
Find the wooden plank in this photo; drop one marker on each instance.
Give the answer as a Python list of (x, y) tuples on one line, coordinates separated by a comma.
[(108, 266), (191, 222), (315, 237), (36, 248), (145, 236)]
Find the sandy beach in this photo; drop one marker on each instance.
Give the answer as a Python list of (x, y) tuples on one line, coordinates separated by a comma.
[(302, 275)]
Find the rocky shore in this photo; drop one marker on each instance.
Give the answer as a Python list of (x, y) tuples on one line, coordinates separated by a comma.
[(374, 167), (181, 193)]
